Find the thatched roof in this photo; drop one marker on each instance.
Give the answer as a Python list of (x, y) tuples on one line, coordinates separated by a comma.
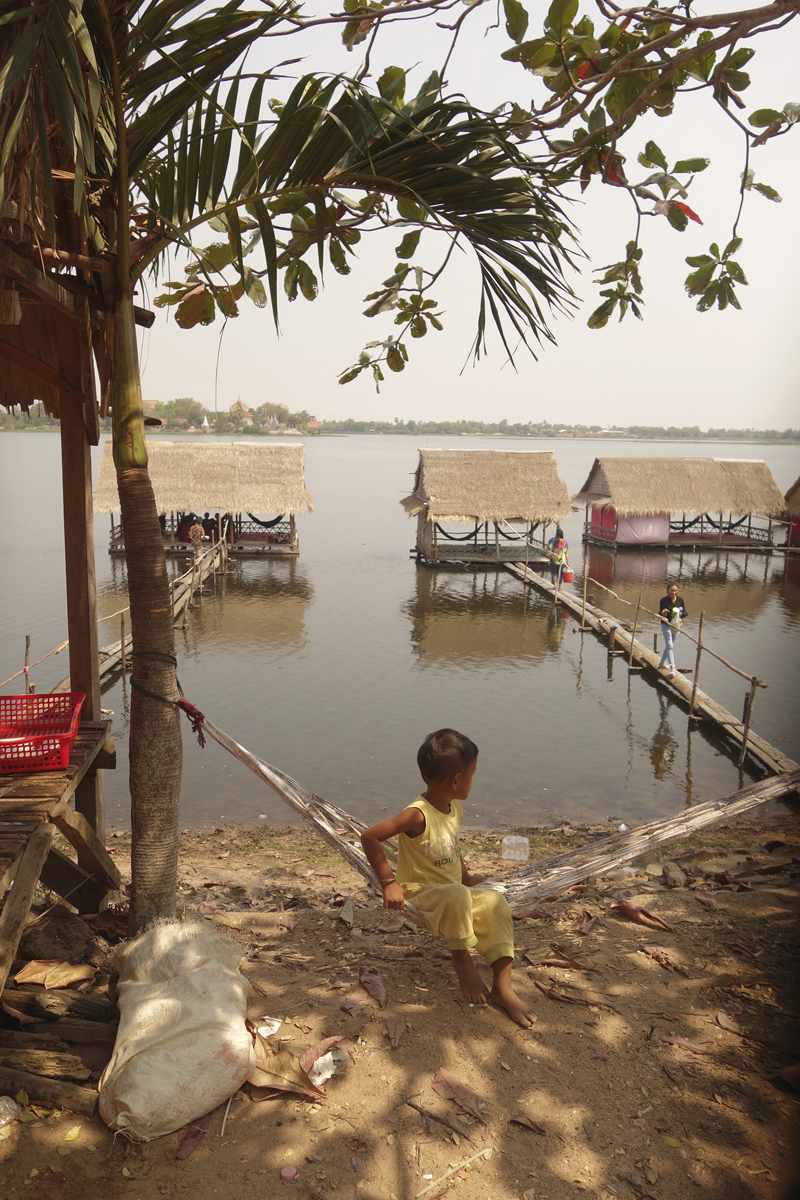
[(793, 499), (487, 485), (230, 476), (644, 487)]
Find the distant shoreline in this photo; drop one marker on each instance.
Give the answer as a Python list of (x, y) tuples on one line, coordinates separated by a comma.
[(555, 437)]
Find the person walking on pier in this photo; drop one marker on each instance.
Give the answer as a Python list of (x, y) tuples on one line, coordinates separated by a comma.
[(673, 612), (559, 555)]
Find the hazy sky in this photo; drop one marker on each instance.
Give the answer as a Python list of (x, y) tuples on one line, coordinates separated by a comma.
[(676, 367)]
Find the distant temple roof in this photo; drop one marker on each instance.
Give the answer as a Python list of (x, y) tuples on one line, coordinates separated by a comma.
[(229, 476), (239, 407), (487, 485), (645, 487)]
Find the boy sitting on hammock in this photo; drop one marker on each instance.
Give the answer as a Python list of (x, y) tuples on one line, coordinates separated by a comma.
[(433, 876)]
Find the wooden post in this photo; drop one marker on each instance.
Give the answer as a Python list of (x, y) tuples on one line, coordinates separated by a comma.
[(751, 699), (583, 613), (122, 643), (720, 528), (76, 475), (292, 529), (697, 665), (435, 544), (27, 660), (496, 542), (769, 532), (636, 618)]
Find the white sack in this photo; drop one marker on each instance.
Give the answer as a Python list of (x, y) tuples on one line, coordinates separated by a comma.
[(182, 1047)]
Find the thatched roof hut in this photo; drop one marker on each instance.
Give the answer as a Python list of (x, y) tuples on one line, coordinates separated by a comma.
[(647, 487), (487, 485), (792, 498), (231, 476)]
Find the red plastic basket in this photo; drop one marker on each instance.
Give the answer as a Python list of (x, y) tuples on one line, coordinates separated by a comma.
[(37, 732)]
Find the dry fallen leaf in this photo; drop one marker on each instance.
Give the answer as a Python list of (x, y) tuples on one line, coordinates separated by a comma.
[(287, 921), (371, 981), (392, 924), (54, 973), (279, 1072), (352, 1006), (726, 1022), (395, 1027), (526, 1123), (662, 956), (345, 980), (559, 959), (553, 993), (346, 912), (587, 922), (310, 1056), (682, 1044), (642, 916), (190, 1140), (450, 1088), (704, 898)]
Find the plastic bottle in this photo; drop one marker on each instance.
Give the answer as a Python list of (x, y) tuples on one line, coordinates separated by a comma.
[(9, 1110), (516, 848)]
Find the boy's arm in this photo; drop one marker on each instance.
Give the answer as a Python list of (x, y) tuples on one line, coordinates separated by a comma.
[(410, 820), (470, 880)]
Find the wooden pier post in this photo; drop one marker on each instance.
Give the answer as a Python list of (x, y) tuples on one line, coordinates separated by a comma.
[(720, 528), (583, 612), (496, 542), (692, 717), (122, 643), (636, 618), (435, 544), (748, 716), (27, 661)]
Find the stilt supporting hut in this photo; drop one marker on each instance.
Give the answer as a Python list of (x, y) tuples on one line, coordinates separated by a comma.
[(687, 503), (250, 494), (500, 502), (51, 330)]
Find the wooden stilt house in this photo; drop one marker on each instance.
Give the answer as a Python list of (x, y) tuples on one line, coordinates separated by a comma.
[(251, 493), (691, 503), (792, 514), (51, 331), (494, 502)]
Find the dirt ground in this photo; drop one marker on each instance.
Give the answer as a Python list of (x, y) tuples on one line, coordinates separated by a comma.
[(620, 1110)]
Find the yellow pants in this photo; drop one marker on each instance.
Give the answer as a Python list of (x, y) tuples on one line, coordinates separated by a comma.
[(466, 917)]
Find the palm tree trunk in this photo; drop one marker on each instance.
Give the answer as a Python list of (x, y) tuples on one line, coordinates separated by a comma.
[(156, 755)]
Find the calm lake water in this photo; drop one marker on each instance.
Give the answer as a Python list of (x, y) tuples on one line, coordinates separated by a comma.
[(334, 666)]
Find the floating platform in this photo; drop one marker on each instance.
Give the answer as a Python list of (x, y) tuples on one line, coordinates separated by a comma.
[(457, 554), (687, 541)]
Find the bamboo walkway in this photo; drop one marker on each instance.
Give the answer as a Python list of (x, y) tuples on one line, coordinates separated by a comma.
[(613, 631), (183, 590)]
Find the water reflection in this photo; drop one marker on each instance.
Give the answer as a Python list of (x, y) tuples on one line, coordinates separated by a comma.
[(664, 744), (476, 619)]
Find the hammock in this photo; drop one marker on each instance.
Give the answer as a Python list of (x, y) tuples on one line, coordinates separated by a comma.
[(528, 884), (266, 524)]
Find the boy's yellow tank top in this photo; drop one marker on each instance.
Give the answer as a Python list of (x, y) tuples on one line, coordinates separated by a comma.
[(433, 856)]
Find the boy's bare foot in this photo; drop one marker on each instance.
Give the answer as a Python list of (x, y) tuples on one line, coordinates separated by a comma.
[(472, 986), (504, 995)]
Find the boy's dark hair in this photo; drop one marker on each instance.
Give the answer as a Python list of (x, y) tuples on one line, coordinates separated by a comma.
[(444, 753)]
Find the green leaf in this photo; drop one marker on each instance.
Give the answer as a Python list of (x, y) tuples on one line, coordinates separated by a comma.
[(654, 156), (732, 246), (534, 54), (418, 326), (601, 315), (792, 113), (737, 81), (349, 376), (560, 17), (196, 308), (698, 281), (308, 282), (516, 20), (410, 210), (690, 164), (739, 59), (708, 298), (736, 273), (677, 219), (765, 116), (768, 191), (290, 280), (700, 260), (409, 244), (337, 257), (395, 359), (392, 85)]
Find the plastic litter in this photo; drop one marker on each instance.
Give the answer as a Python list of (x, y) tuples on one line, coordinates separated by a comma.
[(9, 1110), (332, 1063), (516, 848), (623, 828), (288, 1174)]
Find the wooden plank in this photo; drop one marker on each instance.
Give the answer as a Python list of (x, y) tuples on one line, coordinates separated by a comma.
[(71, 1096), (35, 281), (107, 757), (607, 626), (87, 371), (42, 371), (92, 854), (18, 902), (73, 882), (48, 1063)]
